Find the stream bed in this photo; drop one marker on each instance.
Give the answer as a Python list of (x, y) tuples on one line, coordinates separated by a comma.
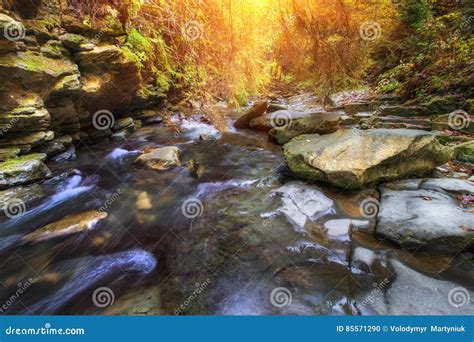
[(244, 238)]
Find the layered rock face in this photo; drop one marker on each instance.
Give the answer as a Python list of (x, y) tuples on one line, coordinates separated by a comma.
[(62, 83)]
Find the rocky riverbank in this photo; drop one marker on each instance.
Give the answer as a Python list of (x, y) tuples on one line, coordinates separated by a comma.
[(370, 140), (64, 83), (185, 219)]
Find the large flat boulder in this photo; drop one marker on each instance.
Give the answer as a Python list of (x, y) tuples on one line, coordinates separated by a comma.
[(290, 126), (428, 213), (353, 158)]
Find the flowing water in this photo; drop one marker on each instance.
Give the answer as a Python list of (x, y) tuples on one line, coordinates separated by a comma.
[(244, 238)]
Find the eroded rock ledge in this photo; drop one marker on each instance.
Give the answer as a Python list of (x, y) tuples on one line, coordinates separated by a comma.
[(56, 73)]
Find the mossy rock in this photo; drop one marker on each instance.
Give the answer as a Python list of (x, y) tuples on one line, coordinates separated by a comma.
[(9, 153), (469, 106), (103, 58), (23, 170), (26, 141), (35, 70), (465, 152), (54, 49), (443, 105), (353, 158), (405, 111), (147, 97), (76, 42)]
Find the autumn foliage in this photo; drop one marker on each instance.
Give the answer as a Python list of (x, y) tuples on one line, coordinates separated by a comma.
[(234, 48)]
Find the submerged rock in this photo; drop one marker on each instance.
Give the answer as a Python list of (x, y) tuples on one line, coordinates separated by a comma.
[(86, 274), (302, 203), (162, 158), (23, 170), (68, 225), (354, 158), (427, 213), (199, 130), (143, 201), (196, 169), (28, 195)]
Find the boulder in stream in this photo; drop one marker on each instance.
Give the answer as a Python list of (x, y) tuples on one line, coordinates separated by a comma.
[(353, 158), (302, 203), (303, 123), (24, 169), (68, 225), (255, 111), (162, 158), (428, 213)]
